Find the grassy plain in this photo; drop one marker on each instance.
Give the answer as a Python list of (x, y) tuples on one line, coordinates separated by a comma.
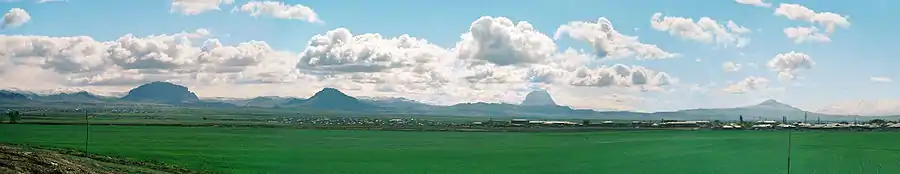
[(275, 150)]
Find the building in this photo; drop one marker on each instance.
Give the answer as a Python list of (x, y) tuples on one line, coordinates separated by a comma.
[(519, 121)]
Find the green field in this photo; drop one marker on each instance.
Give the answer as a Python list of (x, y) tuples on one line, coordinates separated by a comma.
[(272, 150)]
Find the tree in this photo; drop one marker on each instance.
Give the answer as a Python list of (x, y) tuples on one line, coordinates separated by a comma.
[(877, 121), (13, 117), (585, 122)]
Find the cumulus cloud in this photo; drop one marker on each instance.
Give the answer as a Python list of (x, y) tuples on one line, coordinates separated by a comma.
[(880, 79), (619, 76), (279, 10), (496, 74), (499, 41), (339, 51), (608, 42), (61, 54), (193, 7), (805, 34), (705, 30), (731, 66), (758, 3), (787, 64), (129, 59), (748, 84), (828, 20), (399, 64), (15, 17), (125, 77)]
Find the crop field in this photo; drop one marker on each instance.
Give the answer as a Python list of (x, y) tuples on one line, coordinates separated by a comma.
[(277, 150)]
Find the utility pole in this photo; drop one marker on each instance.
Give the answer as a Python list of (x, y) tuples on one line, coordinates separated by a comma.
[(789, 152), (87, 131), (804, 117)]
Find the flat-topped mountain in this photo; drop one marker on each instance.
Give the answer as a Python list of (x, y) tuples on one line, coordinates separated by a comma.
[(538, 98), (161, 92)]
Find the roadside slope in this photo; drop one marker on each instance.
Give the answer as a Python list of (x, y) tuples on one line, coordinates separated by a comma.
[(24, 159)]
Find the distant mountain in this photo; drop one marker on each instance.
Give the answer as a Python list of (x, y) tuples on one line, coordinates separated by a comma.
[(161, 92), (538, 98), (773, 105), (396, 103), (267, 101), (766, 110), (73, 97), (332, 99), (206, 104), (12, 97), (535, 104), (294, 102), (512, 110)]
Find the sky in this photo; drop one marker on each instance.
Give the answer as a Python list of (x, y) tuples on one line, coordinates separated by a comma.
[(639, 55)]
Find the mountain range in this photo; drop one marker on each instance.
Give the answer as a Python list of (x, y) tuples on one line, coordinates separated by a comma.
[(535, 104)]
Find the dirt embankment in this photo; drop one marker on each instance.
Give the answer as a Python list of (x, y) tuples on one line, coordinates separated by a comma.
[(18, 159)]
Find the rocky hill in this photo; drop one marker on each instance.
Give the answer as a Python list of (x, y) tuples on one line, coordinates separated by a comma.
[(538, 98), (161, 92), (332, 99)]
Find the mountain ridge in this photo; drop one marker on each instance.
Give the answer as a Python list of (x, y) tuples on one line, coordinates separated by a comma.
[(332, 99), (335, 100)]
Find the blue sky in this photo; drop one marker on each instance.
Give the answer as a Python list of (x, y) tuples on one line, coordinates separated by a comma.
[(842, 69)]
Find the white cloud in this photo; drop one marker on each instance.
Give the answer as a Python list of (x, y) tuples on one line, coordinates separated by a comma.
[(731, 66), (608, 42), (279, 10), (401, 64), (194, 7), (828, 20), (61, 54), (499, 41), (786, 64), (131, 59), (340, 51), (748, 84), (758, 3), (15, 17), (490, 74), (705, 30), (805, 34), (881, 79), (619, 76)]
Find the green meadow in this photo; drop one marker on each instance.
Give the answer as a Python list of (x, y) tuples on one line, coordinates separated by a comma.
[(282, 150)]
